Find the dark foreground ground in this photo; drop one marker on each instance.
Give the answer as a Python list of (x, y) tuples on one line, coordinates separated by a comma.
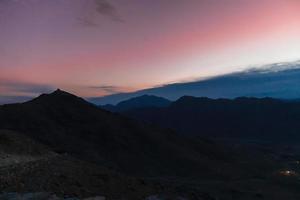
[(29, 170)]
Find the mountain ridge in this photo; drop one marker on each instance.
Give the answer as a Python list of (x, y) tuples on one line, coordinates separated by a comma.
[(69, 124), (138, 102), (244, 118)]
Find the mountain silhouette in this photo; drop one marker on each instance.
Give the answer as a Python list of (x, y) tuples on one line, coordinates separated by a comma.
[(244, 118), (62, 144), (138, 102), (69, 124)]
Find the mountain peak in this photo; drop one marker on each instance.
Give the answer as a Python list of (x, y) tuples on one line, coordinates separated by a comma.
[(57, 90), (59, 97), (60, 92)]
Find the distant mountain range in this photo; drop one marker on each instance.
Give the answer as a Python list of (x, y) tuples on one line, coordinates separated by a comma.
[(280, 80), (138, 102), (243, 118)]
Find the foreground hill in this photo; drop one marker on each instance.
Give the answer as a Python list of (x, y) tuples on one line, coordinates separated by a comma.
[(243, 118), (27, 166)]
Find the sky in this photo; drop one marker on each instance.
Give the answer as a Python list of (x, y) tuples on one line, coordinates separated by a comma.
[(101, 47), (277, 80)]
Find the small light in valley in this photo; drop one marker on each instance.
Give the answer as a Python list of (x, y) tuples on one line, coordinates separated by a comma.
[(288, 173)]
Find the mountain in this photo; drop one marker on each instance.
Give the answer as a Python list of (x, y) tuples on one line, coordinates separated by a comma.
[(69, 124), (59, 143), (244, 118), (138, 102), (279, 80)]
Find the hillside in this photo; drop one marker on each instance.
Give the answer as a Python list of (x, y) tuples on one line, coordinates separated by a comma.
[(27, 166), (244, 118)]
